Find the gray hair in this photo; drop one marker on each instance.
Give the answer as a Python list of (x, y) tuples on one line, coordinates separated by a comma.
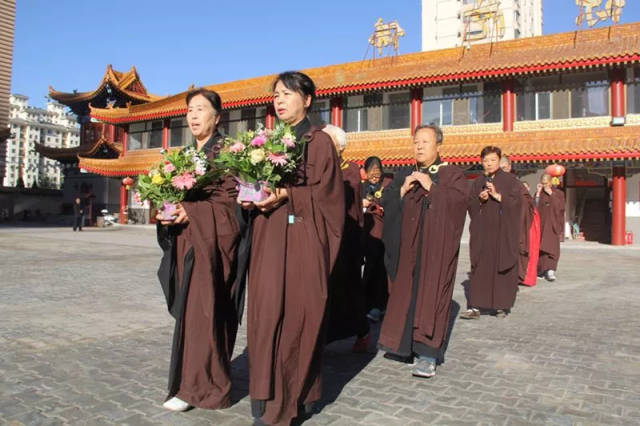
[(437, 131), (337, 134), (505, 160)]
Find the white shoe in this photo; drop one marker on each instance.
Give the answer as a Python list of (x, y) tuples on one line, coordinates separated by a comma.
[(176, 404), (551, 275)]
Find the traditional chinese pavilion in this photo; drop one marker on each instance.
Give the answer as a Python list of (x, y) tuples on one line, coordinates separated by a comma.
[(571, 98), (97, 140)]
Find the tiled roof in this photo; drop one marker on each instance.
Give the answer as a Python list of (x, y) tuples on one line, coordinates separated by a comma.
[(132, 163), (572, 50), (128, 83), (70, 155), (395, 147)]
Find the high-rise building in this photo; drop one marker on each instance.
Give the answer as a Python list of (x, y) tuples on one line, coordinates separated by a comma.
[(451, 23), (7, 22), (52, 127)]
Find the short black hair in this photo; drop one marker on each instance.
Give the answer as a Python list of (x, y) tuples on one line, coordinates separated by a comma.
[(436, 130), (372, 161), (490, 149), (213, 98), (298, 82)]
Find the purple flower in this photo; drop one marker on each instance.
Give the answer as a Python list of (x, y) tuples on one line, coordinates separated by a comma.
[(258, 141), (278, 159)]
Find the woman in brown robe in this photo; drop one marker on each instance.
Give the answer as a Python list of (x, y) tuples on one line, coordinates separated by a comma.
[(551, 208), (374, 276), (495, 203), (196, 275), (347, 314), (425, 213), (296, 238), (526, 216)]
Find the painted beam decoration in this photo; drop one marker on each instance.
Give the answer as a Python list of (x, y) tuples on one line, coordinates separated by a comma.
[(594, 11)]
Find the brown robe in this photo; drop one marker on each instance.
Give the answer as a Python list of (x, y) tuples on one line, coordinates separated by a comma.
[(527, 211), (494, 243), (347, 299), (197, 275), (551, 209), (423, 268), (294, 248), (374, 276)]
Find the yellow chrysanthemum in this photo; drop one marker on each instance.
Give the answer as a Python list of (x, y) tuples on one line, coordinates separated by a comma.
[(157, 180)]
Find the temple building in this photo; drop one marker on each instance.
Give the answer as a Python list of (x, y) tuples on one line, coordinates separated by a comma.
[(96, 140), (571, 98)]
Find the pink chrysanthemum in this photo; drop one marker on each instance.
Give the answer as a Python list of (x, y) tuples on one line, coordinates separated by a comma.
[(288, 142), (258, 141), (168, 167), (236, 147), (278, 159), (183, 181)]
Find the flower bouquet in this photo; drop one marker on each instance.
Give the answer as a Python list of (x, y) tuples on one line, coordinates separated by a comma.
[(168, 182), (260, 159)]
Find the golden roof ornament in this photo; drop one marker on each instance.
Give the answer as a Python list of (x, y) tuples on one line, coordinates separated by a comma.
[(483, 20), (594, 11), (385, 34)]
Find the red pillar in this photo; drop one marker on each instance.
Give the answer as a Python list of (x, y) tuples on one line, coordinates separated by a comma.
[(416, 108), (508, 106), (617, 97), (123, 204), (336, 111), (618, 186), (270, 118), (165, 134), (125, 138), (111, 132)]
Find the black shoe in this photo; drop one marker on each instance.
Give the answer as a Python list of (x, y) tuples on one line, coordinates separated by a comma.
[(399, 358)]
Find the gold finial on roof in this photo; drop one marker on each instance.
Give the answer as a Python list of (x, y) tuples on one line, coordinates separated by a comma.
[(484, 19), (593, 11), (385, 35)]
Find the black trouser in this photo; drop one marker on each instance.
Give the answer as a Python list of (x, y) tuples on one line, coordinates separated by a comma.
[(78, 221)]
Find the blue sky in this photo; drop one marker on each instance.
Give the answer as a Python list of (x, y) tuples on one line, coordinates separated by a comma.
[(67, 44)]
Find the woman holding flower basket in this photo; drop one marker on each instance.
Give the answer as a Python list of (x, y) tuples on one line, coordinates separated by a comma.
[(296, 237), (198, 232)]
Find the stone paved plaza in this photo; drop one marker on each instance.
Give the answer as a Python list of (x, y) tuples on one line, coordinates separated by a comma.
[(85, 339)]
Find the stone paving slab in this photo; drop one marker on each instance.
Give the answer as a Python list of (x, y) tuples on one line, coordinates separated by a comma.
[(85, 339)]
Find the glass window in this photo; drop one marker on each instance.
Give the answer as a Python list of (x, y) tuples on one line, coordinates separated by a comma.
[(179, 132), (134, 141), (591, 99), (558, 97), (376, 111), (633, 91), (462, 105), (145, 135), (234, 121), (155, 135), (320, 112)]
